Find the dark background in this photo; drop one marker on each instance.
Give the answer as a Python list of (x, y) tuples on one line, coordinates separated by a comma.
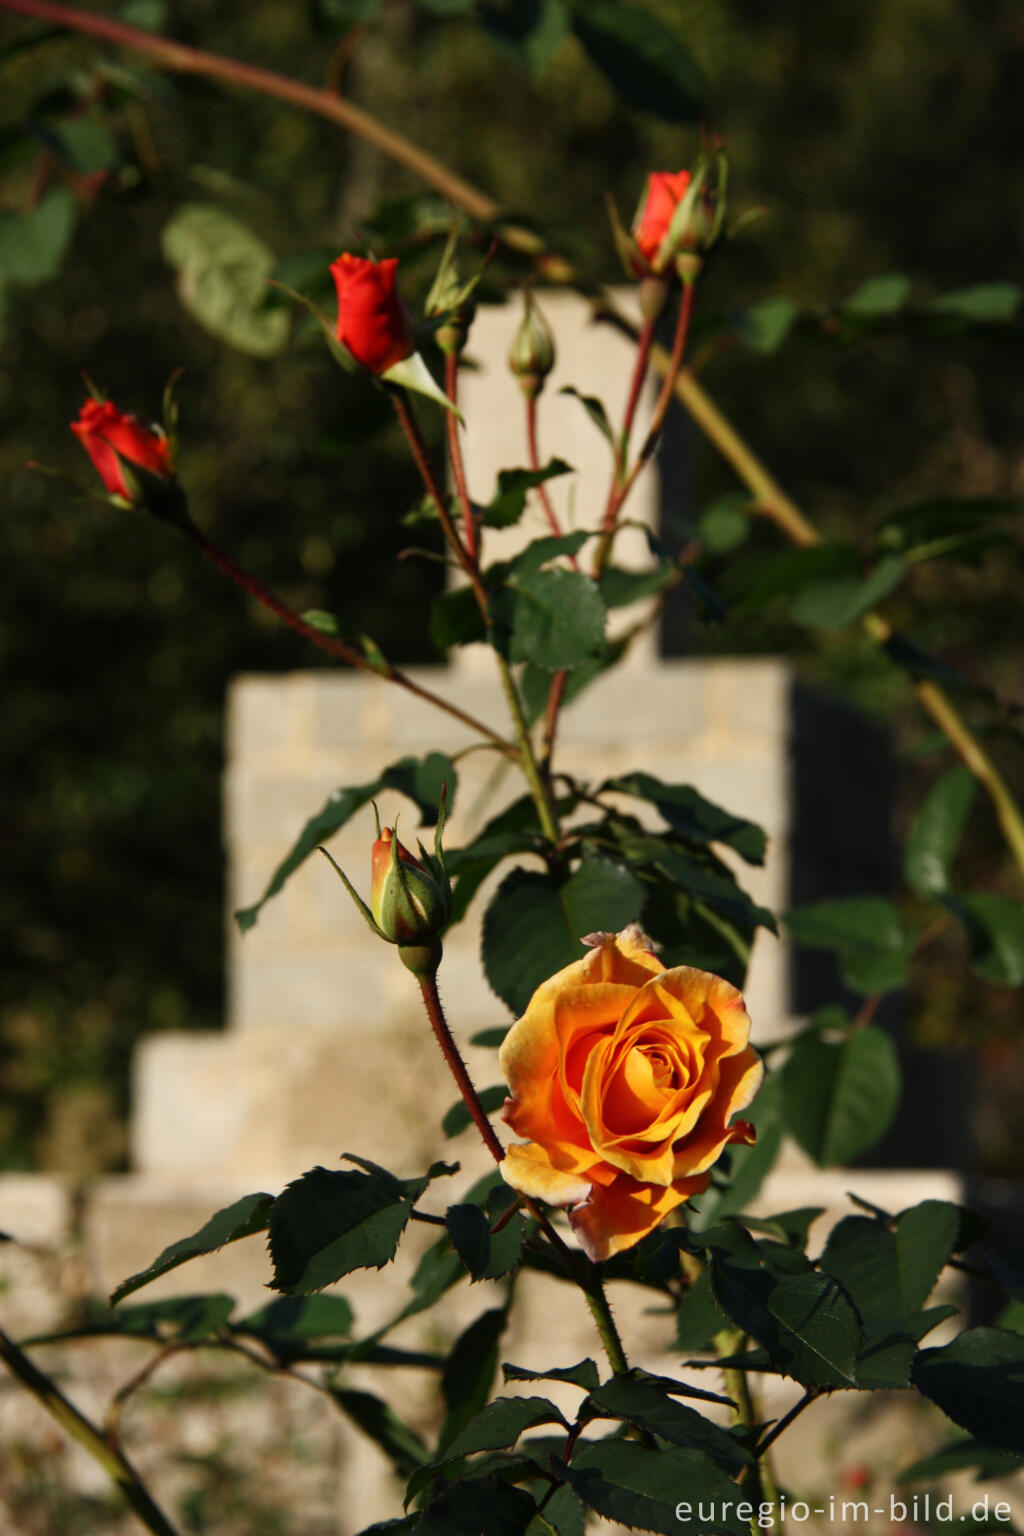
[(878, 136)]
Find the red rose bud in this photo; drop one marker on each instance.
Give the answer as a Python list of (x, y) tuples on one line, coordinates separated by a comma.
[(115, 441), (409, 905), (531, 356), (373, 323), (664, 192)]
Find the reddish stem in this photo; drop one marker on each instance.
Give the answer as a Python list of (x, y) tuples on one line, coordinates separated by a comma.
[(403, 411), (329, 643), (534, 458), (457, 1067), (451, 384), (643, 357), (620, 490), (556, 693)]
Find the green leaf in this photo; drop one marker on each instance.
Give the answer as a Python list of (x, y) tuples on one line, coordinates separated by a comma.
[(328, 1223), (291, 1320), (936, 833), (455, 619), (840, 1097), (926, 1235), (595, 410), (530, 29), (540, 551), (179, 1319), (835, 604), (985, 302), (480, 1504), (222, 269), (554, 618), (458, 1119), (88, 145), (725, 524), (242, 1219), (688, 813), (470, 1371), (650, 68), (583, 1375), (486, 1256), (806, 1321), (757, 580), (877, 297), (420, 779), (867, 935), (649, 1407), (501, 1423), (620, 587), (641, 1488), (995, 928), (978, 1382), (699, 1317), (506, 506), (959, 1456), (764, 327), (400, 1444), (676, 868), (33, 244), (534, 926)]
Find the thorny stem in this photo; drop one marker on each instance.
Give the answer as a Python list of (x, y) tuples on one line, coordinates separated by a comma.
[(746, 1412), (643, 357), (451, 384), (113, 1461), (540, 787), (533, 456), (330, 643), (626, 479), (404, 412), (457, 1067)]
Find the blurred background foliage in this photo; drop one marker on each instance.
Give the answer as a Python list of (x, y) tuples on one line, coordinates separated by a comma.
[(879, 137)]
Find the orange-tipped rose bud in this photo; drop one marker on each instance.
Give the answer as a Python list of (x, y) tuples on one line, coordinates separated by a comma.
[(373, 323), (115, 441), (532, 353), (408, 904)]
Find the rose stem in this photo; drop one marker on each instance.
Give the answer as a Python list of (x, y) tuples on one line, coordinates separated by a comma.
[(457, 1067), (403, 410), (587, 1275), (113, 1461), (621, 490), (643, 357), (451, 383), (783, 1424), (329, 643), (539, 783), (534, 462)]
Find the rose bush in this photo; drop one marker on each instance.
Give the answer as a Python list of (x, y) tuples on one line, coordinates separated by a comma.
[(373, 323), (624, 1076), (109, 435)]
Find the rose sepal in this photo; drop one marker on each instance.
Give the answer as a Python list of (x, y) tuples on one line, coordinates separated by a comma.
[(360, 904), (413, 374)]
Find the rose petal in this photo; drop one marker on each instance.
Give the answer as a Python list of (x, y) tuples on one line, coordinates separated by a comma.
[(617, 1217), (530, 1170)]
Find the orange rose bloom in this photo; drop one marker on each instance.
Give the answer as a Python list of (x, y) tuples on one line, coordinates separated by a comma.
[(625, 1076)]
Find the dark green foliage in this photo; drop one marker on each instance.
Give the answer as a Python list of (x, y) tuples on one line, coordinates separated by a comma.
[(470, 1371), (328, 1223), (840, 1096), (647, 1405), (978, 1381), (645, 60), (641, 1488), (508, 503), (867, 935), (247, 1216), (534, 923)]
